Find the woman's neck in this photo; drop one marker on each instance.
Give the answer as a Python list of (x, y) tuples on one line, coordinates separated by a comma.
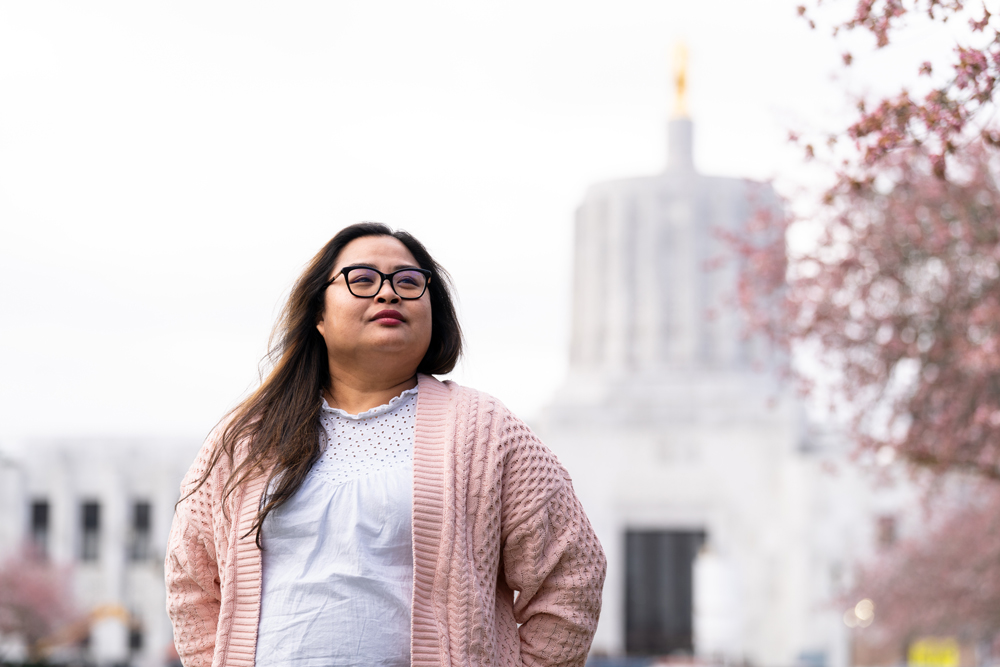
[(354, 395)]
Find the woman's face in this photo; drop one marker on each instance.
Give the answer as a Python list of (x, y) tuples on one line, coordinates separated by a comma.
[(383, 331)]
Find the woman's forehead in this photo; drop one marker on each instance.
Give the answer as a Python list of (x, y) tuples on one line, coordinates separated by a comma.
[(382, 252)]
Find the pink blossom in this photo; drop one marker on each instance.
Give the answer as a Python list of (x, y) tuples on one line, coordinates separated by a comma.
[(944, 583), (35, 600), (901, 277), (940, 120)]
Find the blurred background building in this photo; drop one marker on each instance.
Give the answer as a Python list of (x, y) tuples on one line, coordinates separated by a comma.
[(102, 507), (730, 523)]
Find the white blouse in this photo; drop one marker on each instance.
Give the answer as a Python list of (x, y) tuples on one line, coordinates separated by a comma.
[(338, 556)]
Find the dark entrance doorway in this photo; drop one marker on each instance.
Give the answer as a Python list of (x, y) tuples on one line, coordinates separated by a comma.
[(659, 595)]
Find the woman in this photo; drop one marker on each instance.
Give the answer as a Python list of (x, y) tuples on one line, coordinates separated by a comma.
[(356, 511)]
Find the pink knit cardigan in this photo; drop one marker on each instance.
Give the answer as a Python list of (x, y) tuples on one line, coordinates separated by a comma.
[(493, 512)]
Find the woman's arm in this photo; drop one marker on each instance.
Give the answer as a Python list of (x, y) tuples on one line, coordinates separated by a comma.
[(192, 571), (551, 555)]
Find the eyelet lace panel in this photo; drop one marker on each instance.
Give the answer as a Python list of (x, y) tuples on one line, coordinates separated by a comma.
[(373, 441)]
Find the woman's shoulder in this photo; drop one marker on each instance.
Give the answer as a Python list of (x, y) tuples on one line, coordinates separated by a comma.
[(449, 400), (523, 449), (450, 394)]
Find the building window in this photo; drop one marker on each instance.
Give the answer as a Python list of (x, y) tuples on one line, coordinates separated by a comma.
[(135, 638), (886, 531), (140, 547), (90, 524), (40, 527), (659, 591)]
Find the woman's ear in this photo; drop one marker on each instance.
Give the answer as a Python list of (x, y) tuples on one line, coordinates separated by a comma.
[(320, 316)]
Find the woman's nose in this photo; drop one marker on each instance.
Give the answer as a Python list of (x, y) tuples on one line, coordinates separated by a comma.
[(386, 294)]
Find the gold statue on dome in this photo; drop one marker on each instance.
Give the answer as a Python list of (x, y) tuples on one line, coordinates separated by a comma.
[(680, 80)]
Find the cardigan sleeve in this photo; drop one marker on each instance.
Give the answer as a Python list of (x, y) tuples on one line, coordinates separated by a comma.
[(551, 555), (191, 569)]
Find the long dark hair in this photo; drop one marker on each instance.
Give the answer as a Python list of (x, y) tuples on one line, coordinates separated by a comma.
[(280, 420)]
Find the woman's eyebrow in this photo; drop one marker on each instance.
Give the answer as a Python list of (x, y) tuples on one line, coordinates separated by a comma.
[(369, 265)]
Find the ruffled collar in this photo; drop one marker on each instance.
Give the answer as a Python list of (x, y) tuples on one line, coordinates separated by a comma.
[(374, 412)]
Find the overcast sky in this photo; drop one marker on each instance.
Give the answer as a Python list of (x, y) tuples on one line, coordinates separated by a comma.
[(167, 168)]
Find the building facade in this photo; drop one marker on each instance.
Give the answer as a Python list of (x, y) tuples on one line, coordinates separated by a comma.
[(726, 532), (102, 508)]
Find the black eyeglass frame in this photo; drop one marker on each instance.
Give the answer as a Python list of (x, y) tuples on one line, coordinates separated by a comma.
[(384, 276)]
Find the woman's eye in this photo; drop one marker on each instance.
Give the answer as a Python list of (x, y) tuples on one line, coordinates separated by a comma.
[(361, 279)]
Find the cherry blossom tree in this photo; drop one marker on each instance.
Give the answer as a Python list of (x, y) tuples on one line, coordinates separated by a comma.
[(35, 601), (949, 114), (899, 296), (946, 583), (900, 292)]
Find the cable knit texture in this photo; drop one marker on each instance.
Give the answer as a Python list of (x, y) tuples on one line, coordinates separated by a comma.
[(493, 512)]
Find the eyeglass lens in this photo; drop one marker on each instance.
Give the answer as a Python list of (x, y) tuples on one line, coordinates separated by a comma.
[(367, 282)]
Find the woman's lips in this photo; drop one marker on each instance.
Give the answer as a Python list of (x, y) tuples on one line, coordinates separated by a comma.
[(388, 317)]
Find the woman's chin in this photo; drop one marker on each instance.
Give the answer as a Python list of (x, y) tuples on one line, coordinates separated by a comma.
[(393, 341)]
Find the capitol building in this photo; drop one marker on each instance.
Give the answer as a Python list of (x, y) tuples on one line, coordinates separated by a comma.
[(731, 523)]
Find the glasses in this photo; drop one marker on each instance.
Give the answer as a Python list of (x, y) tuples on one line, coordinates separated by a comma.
[(365, 282)]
